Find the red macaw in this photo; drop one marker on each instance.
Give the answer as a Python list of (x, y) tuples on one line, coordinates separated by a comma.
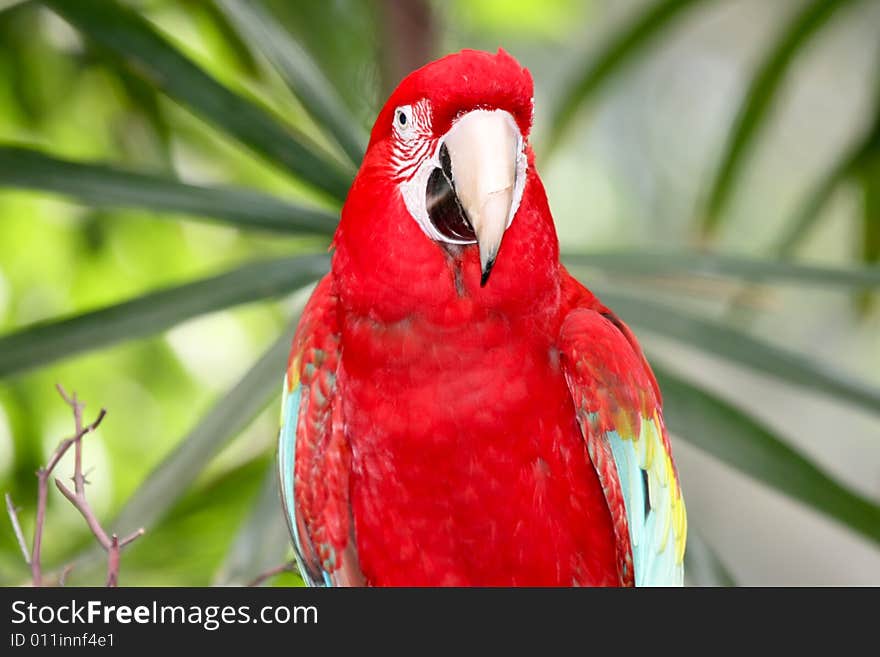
[(458, 409)]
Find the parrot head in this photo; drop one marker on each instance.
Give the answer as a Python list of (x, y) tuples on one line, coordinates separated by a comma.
[(447, 179)]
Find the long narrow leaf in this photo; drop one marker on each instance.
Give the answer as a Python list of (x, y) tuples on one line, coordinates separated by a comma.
[(264, 34), (859, 156), (103, 186), (147, 52), (870, 179), (743, 349), (655, 263), (623, 47), (148, 314), (758, 102), (262, 541), (226, 419), (10, 4), (739, 441), (808, 213)]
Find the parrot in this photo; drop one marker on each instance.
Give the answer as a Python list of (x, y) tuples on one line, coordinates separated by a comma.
[(458, 410)]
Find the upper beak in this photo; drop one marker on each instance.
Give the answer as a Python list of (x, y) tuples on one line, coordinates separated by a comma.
[(483, 148)]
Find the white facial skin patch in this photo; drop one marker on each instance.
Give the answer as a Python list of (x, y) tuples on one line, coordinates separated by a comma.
[(488, 167)]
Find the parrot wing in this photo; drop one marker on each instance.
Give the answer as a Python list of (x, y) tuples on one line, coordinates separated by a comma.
[(314, 457), (618, 407)]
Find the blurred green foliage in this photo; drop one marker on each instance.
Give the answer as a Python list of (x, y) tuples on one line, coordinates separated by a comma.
[(170, 173)]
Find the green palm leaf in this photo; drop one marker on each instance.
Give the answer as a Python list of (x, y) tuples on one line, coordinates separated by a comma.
[(743, 349), (871, 213), (731, 436), (262, 541), (627, 44), (149, 54), (229, 416), (758, 102), (654, 263), (300, 72), (156, 311), (808, 213), (103, 186)]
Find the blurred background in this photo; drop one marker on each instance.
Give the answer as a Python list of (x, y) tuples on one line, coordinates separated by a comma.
[(168, 167)]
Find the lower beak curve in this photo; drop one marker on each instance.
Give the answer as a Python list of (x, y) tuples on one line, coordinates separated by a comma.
[(483, 148)]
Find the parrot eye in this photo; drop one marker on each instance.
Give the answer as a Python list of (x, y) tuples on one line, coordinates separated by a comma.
[(403, 122)]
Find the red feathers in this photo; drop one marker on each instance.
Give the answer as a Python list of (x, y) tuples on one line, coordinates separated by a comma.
[(470, 79), (438, 441)]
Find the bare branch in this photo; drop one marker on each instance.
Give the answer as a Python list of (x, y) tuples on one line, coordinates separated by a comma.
[(113, 562), (43, 475), (77, 407), (42, 496), (289, 567), (65, 444), (59, 452), (131, 537), (16, 527), (77, 497), (64, 395), (79, 501), (64, 573)]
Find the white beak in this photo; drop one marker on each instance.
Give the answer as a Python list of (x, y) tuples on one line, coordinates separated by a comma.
[(485, 151)]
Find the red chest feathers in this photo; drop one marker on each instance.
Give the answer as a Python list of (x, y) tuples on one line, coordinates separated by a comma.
[(468, 467)]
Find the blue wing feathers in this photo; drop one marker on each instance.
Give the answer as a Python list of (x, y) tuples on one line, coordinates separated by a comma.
[(305, 557), (650, 501)]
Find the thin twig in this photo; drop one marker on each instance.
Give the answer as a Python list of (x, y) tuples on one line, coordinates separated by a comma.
[(77, 497), (134, 535), (113, 562), (16, 527), (43, 475), (77, 407), (42, 496), (290, 566), (79, 501), (64, 573)]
